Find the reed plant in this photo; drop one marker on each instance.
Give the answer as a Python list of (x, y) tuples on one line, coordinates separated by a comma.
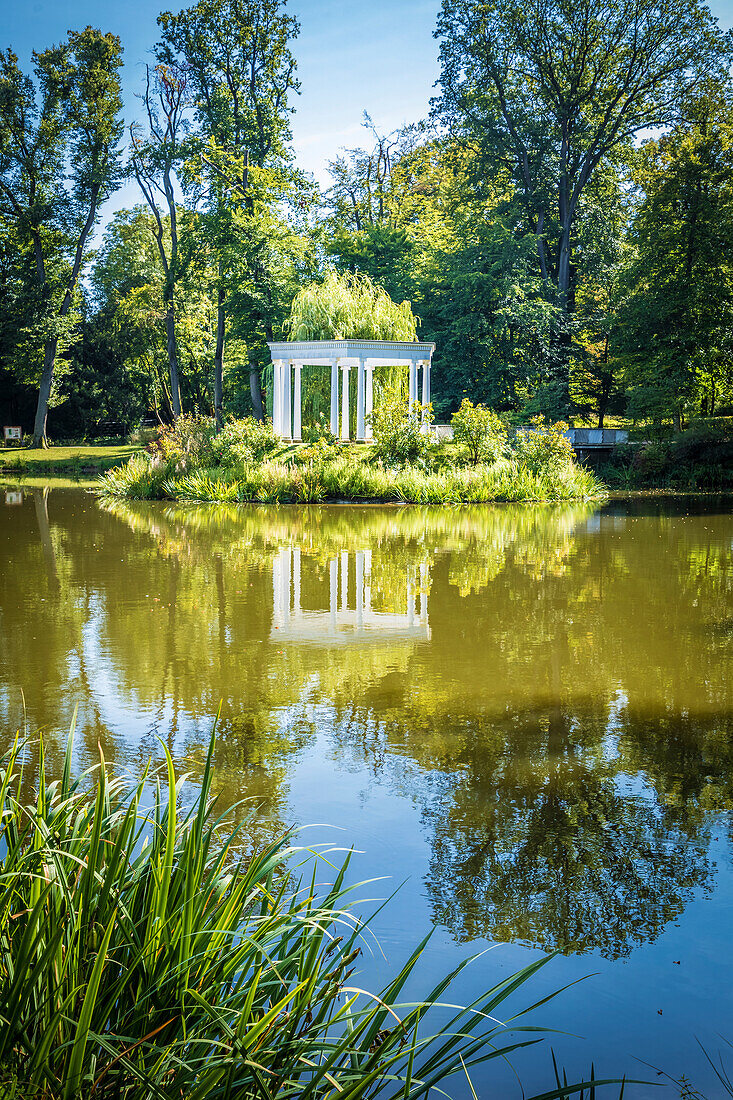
[(144, 957), (138, 479)]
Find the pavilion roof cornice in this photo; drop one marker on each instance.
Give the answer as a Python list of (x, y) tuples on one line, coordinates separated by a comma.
[(318, 351)]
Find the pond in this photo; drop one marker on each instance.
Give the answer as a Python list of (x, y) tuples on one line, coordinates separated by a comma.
[(522, 716)]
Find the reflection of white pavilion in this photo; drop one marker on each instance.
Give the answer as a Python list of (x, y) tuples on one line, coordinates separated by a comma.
[(350, 617)]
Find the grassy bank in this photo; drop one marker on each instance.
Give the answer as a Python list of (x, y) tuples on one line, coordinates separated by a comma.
[(246, 463), (143, 956), (63, 461), (348, 479)]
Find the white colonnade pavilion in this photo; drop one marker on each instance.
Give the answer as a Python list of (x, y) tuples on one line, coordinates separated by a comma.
[(342, 356)]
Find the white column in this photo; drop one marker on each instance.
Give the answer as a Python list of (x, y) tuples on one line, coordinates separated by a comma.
[(345, 403), (413, 384), (333, 578), (276, 396), (335, 397), (344, 580), (368, 583), (368, 435), (425, 391), (333, 583), (287, 420), (359, 588), (410, 598), (297, 395), (423, 593), (296, 581), (277, 582), (360, 401), (285, 589)]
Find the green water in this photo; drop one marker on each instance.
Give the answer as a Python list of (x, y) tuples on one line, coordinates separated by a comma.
[(524, 713)]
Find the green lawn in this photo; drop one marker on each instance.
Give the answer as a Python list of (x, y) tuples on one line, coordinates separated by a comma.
[(63, 460)]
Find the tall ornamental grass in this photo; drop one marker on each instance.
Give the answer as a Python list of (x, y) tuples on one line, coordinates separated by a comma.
[(143, 956), (345, 478)]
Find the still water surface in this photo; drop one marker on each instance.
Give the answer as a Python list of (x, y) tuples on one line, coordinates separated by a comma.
[(522, 714)]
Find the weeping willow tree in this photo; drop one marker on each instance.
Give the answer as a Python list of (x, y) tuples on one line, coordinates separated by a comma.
[(348, 307)]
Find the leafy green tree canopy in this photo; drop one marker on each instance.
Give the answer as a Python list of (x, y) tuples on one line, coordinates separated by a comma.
[(552, 88), (349, 307), (59, 161), (676, 323)]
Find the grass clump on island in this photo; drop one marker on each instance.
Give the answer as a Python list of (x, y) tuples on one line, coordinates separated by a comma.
[(143, 956), (245, 462)]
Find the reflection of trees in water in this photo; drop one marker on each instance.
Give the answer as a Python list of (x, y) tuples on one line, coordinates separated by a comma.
[(567, 779), (536, 831), (566, 731), (253, 756), (560, 855)]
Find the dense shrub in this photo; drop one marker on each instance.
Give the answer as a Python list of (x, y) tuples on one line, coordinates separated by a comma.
[(399, 436), (320, 444), (480, 431), (544, 448), (322, 450), (319, 430), (246, 463), (699, 458), (193, 443), (184, 445)]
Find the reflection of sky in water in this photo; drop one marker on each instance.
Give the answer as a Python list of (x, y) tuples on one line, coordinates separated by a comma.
[(524, 714)]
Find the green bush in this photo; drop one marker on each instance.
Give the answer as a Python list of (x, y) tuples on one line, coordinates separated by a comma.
[(184, 445), (399, 436), (544, 448), (142, 477), (193, 443), (240, 441), (321, 451), (346, 479), (480, 431), (318, 431), (143, 956)]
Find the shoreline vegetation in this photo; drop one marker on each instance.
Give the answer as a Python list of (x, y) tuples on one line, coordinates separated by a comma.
[(145, 952), (697, 460), (246, 463)]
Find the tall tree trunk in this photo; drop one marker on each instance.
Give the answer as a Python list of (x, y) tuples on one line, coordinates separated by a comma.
[(255, 390), (170, 331), (606, 387), (564, 341), (44, 393), (219, 357), (49, 353)]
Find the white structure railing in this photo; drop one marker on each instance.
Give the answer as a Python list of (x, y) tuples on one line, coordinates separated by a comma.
[(289, 358)]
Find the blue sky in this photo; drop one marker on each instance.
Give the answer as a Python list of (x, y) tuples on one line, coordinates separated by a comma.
[(353, 55), (378, 56)]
